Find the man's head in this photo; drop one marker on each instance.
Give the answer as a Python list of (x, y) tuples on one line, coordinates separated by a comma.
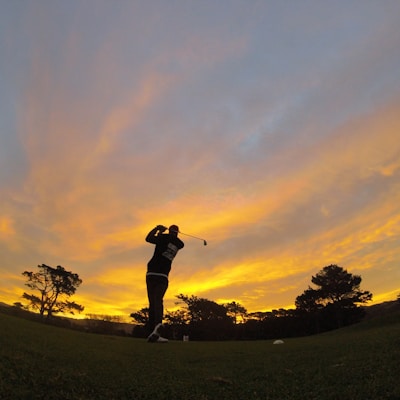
[(173, 230)]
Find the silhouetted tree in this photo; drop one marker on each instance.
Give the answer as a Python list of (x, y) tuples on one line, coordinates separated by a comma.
[(104, 324), (309, 309), (141, 317), (309, 301), (54, 285), (335, 300), (19, 305), (207, 319), (177, 322), (200, 309), (258, 315), (235, 310)]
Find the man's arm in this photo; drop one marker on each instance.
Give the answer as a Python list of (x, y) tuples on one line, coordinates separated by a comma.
[(152, 235)]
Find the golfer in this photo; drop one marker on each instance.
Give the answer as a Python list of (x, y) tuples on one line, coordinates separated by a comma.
[(158, 268)]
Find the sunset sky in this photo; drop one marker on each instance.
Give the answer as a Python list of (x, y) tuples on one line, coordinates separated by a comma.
[(269, 128)]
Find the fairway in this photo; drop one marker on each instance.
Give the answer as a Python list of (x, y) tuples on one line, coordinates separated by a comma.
[(45, 362)]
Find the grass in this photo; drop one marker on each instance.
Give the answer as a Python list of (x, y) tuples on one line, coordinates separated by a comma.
[(44, 362)]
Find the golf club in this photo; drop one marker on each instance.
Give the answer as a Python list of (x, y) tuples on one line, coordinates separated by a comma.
[(195, 237)]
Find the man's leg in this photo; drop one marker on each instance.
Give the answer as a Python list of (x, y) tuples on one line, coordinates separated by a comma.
[(159, 292), (156, 288), (151, 284)]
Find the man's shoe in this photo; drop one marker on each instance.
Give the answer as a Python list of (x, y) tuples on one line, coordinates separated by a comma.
[(155, 335), (162, 340), (157, 329)]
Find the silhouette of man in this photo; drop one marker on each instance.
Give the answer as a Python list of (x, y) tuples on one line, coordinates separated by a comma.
[(158, 268)]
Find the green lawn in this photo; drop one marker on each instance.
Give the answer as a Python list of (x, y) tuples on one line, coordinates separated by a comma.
[(45, 362)]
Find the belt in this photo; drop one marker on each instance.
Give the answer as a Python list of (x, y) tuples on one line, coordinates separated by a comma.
[(157, 274)]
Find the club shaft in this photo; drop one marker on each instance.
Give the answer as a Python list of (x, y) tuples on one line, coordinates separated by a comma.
[(195, 237)]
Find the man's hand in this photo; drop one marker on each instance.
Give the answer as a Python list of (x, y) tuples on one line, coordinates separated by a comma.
[(161, 228)]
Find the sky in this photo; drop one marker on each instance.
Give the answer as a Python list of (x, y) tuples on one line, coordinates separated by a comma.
[(269, 128)]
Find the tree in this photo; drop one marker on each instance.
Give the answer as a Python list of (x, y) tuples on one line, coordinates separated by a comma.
[(19, 305), (200, 309), (258, 315), (336, 298), (207, 319), (337, 286), (141, 317), (309, 301), (177, 317), (141, 320), (105, 324), (54, 285), (235, 310), (177, 322)]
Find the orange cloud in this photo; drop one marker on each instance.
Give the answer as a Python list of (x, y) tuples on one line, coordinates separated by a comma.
[(6, 227)]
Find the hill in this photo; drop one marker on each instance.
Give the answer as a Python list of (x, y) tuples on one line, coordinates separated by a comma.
[(377, 310), (87, 324)]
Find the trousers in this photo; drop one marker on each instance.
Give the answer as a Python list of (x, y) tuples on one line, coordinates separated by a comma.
[(156, 288)]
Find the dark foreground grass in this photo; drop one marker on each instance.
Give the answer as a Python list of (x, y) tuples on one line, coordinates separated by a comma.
[(44, 362)]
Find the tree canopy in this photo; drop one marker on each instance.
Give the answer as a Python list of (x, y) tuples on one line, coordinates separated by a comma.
[(54, 287), (337, 296)]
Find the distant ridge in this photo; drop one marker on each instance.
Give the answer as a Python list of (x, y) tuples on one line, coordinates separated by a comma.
[(380, 309)]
